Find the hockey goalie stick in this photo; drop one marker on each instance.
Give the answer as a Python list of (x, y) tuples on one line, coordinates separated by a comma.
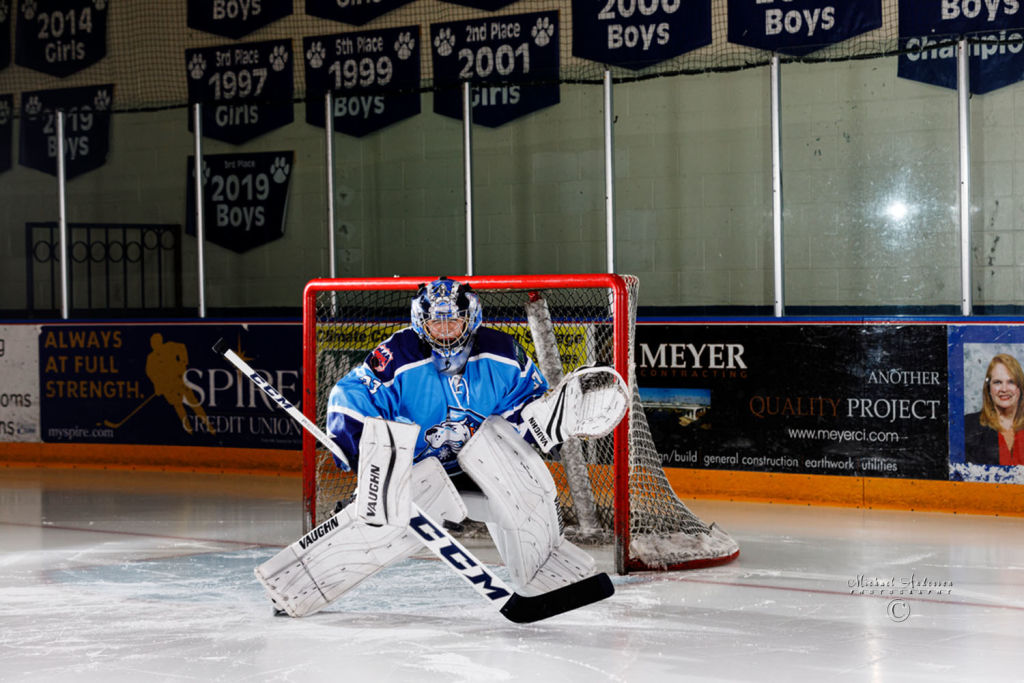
[(517, 608)]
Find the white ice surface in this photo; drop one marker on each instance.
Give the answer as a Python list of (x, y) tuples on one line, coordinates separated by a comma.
[(140, 577)]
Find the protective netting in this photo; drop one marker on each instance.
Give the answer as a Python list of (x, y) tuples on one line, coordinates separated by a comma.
[(146, 42), (661, 532)]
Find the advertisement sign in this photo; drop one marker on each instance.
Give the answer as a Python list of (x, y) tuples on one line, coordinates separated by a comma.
[(246, 89), (928, 51), (374, 76), (235, 18), (638, 33), (19, 394), (815, 399), (512, 62), (163, 384), (355, 12), (60, 37), (86, 128), (245, 198), (799, 27)]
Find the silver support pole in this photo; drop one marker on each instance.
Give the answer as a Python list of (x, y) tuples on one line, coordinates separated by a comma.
[(467, 163), (62, 219), (197, 125), (609, 173), (963, 91), (329, 165), (778, 268)]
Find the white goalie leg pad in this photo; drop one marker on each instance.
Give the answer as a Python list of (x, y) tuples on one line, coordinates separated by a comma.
[(518, 505), (341, 552), (385, 462)]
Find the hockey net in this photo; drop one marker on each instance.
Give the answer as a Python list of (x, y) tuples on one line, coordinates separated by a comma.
[(610, 490)]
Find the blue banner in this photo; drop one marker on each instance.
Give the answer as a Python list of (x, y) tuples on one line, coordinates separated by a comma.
[(799, 27), (6, 131), (374, 76), (356, 13), (245, 197), (638, 33), (512, 62), (5, 35), (928, 34), (163, 384), (957, 17), (246, 89), (86, 128), (60, 37), (235, 18)]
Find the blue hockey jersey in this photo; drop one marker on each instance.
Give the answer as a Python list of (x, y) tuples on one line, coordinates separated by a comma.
[(399, 381)]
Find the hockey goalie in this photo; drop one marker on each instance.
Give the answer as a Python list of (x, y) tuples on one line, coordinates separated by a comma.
[(447, 416)]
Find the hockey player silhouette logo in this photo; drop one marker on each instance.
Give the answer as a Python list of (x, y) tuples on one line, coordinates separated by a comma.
[(165, 366), (446, 439)]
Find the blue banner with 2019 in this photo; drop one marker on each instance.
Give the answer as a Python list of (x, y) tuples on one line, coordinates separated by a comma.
[(163, 384)]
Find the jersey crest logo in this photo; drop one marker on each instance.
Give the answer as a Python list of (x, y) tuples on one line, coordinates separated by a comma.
[(382, 356), (446, 439)]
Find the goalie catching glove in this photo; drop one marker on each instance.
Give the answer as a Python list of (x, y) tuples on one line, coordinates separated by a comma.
[(588, 403)]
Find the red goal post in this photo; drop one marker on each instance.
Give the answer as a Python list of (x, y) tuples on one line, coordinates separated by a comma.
[(611, 489)]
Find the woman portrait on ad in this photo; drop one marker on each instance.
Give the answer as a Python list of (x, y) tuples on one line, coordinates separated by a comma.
[(993, 435)]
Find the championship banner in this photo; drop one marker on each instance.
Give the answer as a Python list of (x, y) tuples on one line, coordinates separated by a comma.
[(356, 13), (19, 393), (6, 131), (163, 384), (5, 33), (235, 18), (374, 76), (814, 399), (981, 360), (86, 128), (245, 198), (638, 33), (235, 83), (512, 62), (60, 37), (799, 27), (928, 32)]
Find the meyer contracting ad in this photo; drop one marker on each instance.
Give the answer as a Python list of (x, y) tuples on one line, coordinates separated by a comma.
[(818, 399)]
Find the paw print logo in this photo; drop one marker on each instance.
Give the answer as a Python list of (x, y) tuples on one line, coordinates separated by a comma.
[(405, 45), (100, 5), (196, 67), (279, 170), (5, 113), (102, 100), (315, 54), (542, 32), (279, 58), (28, 10), (4, 8), (444, 42), (33, 106)]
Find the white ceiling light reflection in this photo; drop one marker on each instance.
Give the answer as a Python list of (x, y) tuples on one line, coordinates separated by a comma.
[(897, 210)]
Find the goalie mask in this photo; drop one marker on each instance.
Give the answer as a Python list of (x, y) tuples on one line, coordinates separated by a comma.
[(446, 314)]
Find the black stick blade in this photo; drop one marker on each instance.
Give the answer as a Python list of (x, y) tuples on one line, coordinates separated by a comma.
[(220, 347), (526, 610)]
